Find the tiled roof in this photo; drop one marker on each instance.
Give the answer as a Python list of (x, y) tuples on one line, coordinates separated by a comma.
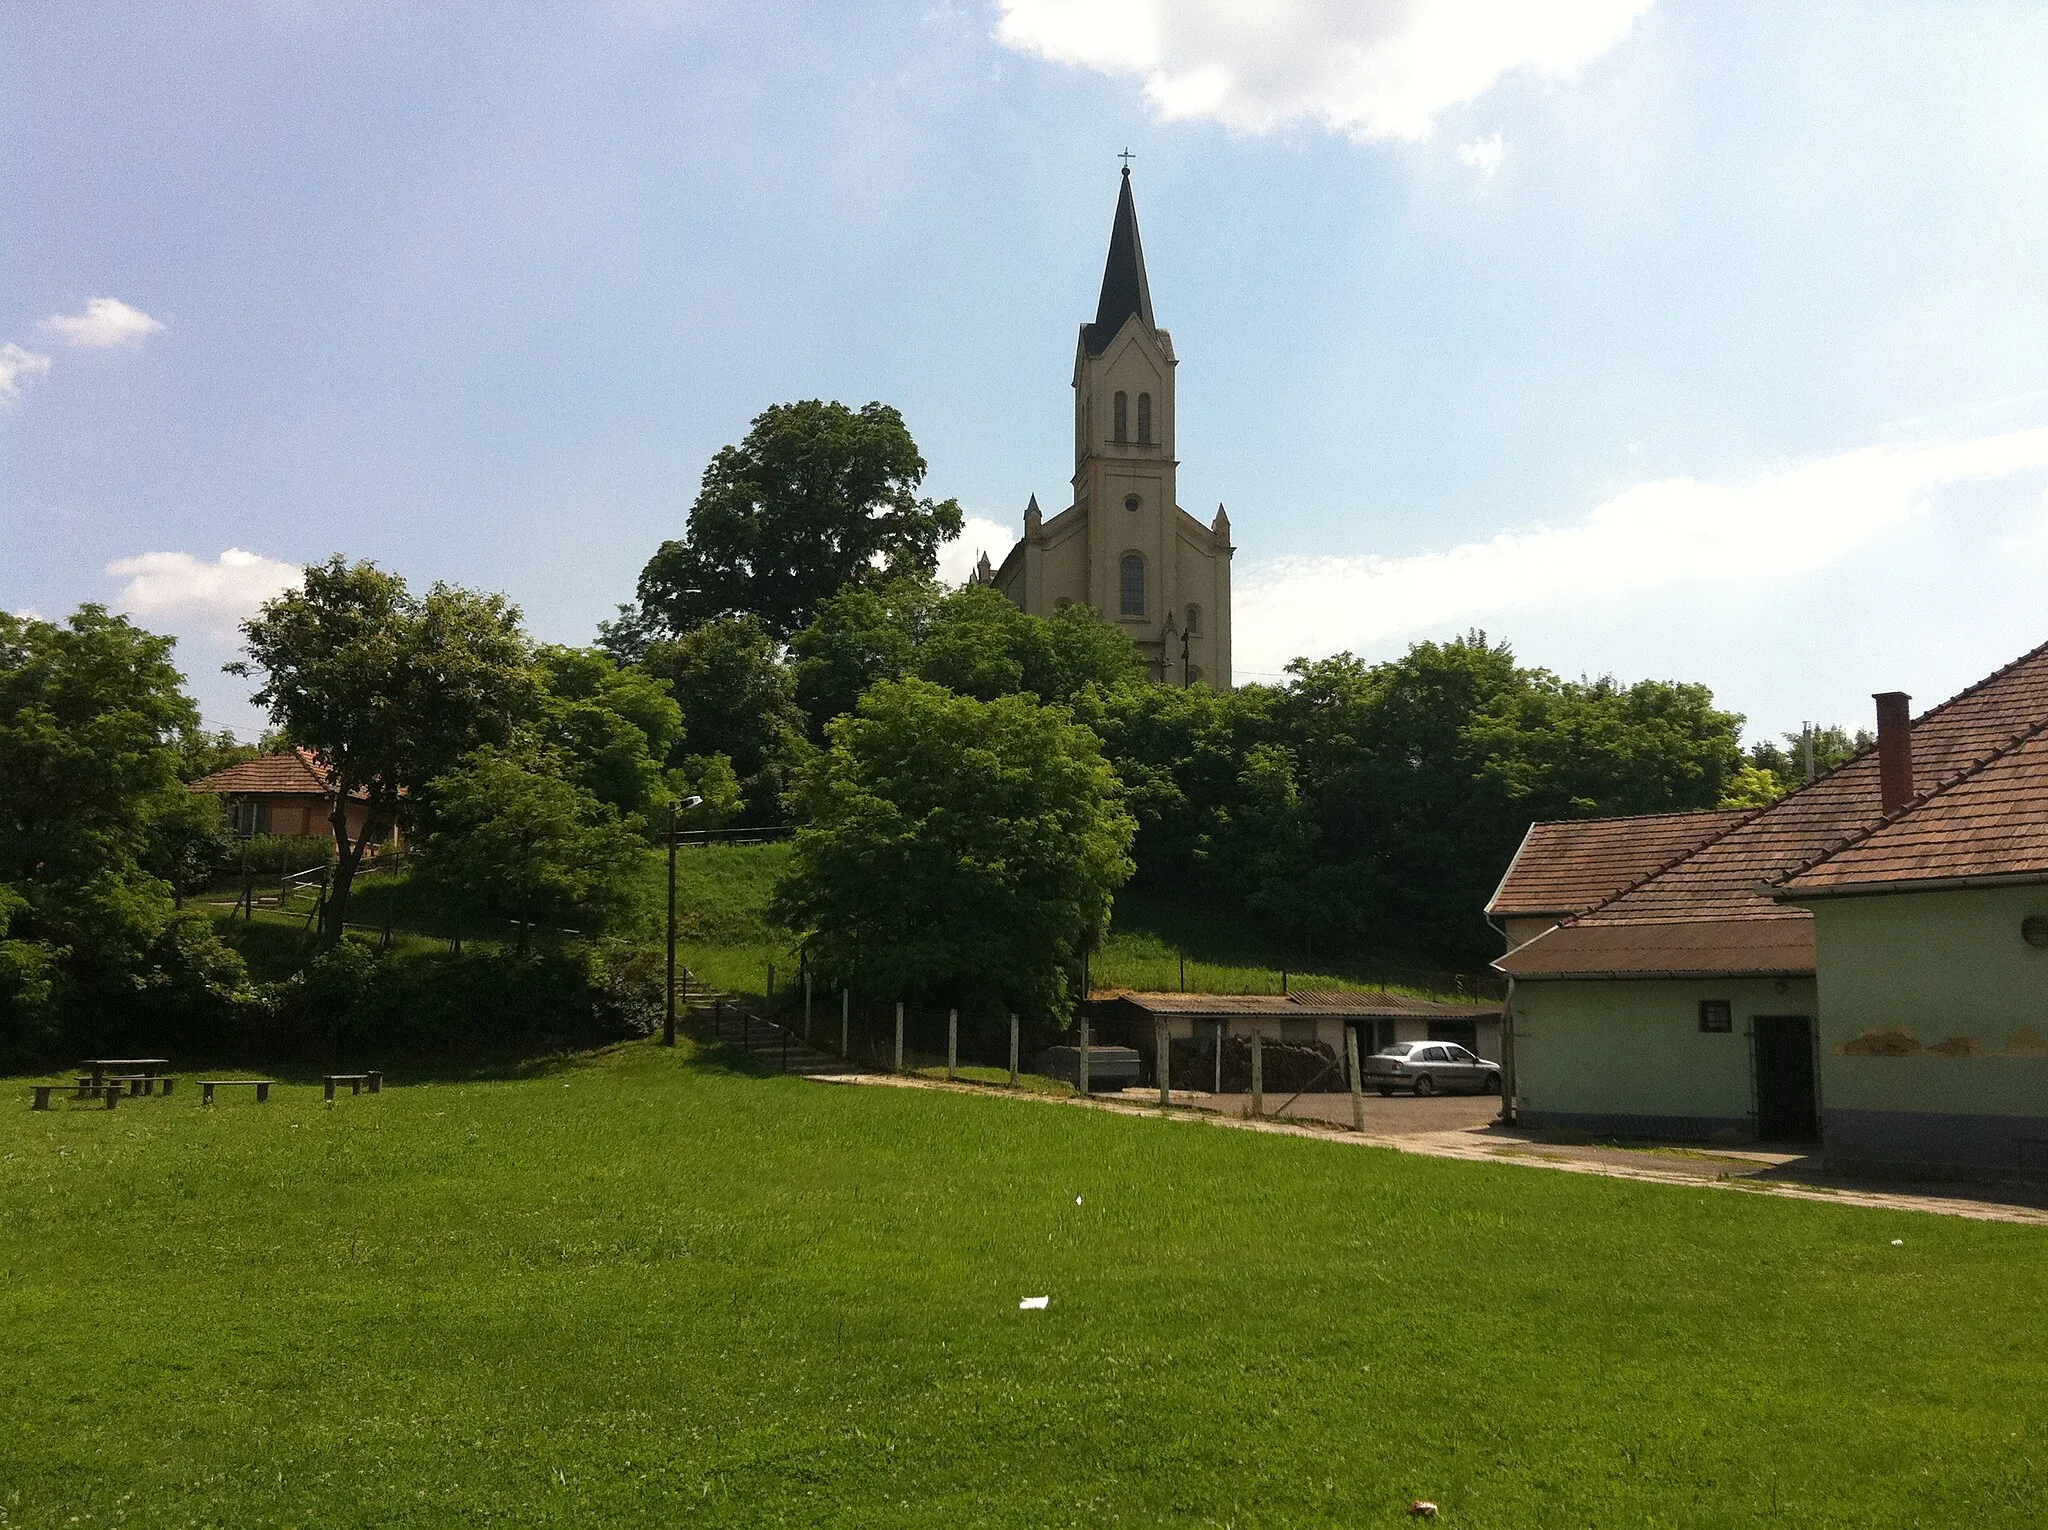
[(1988, 825), (1728, 879), (1348, 1003), (1567, 867), (288, 773)]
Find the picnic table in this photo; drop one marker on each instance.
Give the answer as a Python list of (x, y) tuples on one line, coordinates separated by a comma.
[(136, 1083), (149, 1067)]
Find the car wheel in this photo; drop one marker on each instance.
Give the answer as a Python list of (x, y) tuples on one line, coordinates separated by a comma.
[(1386, 1091), (1424, 1086), (1492, 1084)]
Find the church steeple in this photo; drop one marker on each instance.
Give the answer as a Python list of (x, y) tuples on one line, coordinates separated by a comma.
[(1124, 289)]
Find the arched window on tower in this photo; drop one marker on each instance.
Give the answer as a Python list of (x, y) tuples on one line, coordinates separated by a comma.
[(1144, 419), (1133, 584), (1121, 407), (1193, 628)]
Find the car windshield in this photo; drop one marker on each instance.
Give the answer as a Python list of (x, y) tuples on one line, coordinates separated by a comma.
[(1398, 1049)]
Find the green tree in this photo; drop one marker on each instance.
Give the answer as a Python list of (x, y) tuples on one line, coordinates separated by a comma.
[(389, 689), (91, 718), (859, 638), (613, 729), (956, 851), (980, 644), (737, 700), (515, 840), (1786, 758), (817, 497)]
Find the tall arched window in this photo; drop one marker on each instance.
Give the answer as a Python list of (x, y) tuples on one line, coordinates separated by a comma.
[(1133, 584), (1144, 419), (1122, 410), (1194, 622)]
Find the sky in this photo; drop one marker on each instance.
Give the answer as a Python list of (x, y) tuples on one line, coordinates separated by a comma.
[(1699, 341)]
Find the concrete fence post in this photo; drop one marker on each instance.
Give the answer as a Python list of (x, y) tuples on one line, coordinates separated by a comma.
[(952, 1043), (1357, 1083), (1258, 1074), (845, 1016), (1165, 1044), (807, 1003), (899, 1035), (1013, 1049), (1084, 1056)]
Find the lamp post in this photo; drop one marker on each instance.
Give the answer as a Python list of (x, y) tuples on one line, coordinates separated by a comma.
[(668, 1017)]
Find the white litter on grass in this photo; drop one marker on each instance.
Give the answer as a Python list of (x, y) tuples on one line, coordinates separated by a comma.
[(1077, 1200), (1898, 1243), (1034, 1304)]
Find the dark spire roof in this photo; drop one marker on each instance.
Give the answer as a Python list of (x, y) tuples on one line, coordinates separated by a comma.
[(1124, 291)]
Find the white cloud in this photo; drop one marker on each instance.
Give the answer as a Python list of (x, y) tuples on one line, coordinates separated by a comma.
[(1483, 154), (106, 321), (1373, 69), (958, 557), (214, 596), (1655, 536), (16, 366)]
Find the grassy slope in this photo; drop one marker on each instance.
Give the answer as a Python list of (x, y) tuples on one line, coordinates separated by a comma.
[(723, 893), (647, 1291)]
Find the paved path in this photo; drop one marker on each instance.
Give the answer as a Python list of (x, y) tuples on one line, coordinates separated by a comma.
[(1444, 1128)]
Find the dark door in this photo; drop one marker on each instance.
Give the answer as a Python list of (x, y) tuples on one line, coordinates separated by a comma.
[(1787, 1109)]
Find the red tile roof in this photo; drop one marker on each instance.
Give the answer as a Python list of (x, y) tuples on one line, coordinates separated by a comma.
[(1728, 879), (288, 773), (1988, 825), (1569, 866)]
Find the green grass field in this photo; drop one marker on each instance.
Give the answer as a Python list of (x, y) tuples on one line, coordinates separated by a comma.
[(649, 1289)]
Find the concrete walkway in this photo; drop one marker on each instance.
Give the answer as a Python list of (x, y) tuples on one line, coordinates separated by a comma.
[(1433, 1128)]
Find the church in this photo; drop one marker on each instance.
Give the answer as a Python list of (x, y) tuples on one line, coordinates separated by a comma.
[(1124, 546)]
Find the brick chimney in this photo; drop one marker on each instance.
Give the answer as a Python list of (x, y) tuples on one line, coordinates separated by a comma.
[(1894, 749)]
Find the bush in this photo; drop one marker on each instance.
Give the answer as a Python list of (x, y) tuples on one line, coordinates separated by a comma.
[(354, 1002)]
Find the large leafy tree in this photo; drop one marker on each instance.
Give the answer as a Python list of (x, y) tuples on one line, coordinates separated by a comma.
[(815, 498), (611, 729), (973, 641), (388, 688), (737, 700), (957, 851), (515, 839), (92, 717)]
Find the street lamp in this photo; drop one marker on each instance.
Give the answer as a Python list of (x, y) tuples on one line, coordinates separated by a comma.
[(668, 1019)]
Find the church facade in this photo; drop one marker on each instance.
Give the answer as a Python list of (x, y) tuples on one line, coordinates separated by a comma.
[(1124, 546)]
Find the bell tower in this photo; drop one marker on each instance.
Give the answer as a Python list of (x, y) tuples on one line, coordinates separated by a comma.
[(1124, 546)]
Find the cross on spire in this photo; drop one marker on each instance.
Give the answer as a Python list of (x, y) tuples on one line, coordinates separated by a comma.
[(1127, 156)]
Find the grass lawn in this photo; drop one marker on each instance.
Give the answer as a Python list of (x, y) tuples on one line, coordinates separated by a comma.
[(644, 1289)]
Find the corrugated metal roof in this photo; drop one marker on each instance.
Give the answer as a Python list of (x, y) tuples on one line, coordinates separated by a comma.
[(1344, 1003)]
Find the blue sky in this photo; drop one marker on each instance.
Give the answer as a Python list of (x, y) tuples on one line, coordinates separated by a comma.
[(1705, 341)]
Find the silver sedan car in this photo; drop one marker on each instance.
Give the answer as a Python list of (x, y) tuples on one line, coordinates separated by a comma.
[(1428, 1067)]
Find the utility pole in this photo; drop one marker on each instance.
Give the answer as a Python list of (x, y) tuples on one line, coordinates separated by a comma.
[(668, 1014)]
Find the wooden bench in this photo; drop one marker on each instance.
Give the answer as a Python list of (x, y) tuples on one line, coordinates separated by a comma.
[(112, 1092), (355, 1082), (260, 1085), (135, 1083)]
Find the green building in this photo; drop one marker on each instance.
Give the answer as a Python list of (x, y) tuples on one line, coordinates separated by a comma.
[(1862, 964)]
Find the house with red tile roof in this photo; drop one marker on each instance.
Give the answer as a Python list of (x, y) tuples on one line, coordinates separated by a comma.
[(1847, 966), (288, 793)]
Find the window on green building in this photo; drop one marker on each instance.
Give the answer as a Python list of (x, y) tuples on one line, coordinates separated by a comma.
[(1717, 1015)]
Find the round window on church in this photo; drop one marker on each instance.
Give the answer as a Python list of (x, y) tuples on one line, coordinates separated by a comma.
[(1131, 501)]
